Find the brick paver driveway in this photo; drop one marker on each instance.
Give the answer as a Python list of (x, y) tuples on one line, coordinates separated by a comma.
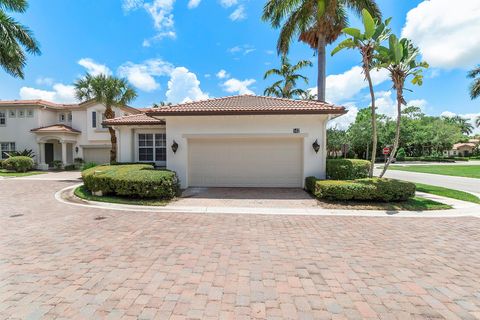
[(63, 261)]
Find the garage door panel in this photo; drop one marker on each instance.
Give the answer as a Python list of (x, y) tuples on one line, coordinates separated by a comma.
[(244, 162), (97, 155)]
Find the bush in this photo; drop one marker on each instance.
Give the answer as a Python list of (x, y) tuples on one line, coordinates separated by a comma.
[(57, 164), (372, 189), (25, 153), (310, 184), (18, 164), (347, 169), (401, 154), (89, 165), (1, 163), (141, 181), (69, 167)]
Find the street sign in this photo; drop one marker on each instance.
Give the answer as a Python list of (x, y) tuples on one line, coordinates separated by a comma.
[(386, 150)]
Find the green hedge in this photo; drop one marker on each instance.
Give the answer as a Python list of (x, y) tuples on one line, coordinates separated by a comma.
[(372, 189), (136, 181), (18, 163), (347, 169)]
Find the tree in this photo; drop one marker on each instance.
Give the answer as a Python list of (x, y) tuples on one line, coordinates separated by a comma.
[(466, 127), (475, 86), (110, 91), (161, 104), (286, 87), (367, 43), (336, 138), (400, 59), (477, 122), (316, 23), (15, 39)]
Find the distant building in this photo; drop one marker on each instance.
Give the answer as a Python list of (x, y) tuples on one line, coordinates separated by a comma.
[(463, 149)]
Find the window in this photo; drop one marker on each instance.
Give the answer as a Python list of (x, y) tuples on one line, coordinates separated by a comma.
[(21, 113), (103, 119), (12, 113), (70, 117), (152, 147), (6, 147), (61, 117), (30, 113), (94, 119), (3, 118)]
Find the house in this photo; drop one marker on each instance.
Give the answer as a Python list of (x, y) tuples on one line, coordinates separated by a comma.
[(463, 149), (238, 141), (56, 131)]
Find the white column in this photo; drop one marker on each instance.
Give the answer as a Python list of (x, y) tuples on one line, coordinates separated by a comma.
[(64, 152), (41, 157)]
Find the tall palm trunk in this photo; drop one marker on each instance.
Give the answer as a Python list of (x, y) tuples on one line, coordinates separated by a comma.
[(322, 62), (109, 114), (366, 68), (397, 131)]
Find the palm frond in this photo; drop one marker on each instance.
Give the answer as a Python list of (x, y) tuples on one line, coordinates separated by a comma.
[(14, 5)]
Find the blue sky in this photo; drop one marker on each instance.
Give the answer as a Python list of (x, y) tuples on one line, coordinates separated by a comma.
[(174, 50)]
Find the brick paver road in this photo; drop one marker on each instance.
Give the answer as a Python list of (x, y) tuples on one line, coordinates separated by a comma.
[(61, 261)]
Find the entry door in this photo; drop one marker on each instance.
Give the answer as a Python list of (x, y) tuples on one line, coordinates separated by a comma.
[(246, 162), (49, 154)]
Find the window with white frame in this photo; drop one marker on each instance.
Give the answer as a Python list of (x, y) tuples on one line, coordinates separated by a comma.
[(12, 113), (61, 117), (30, 113), (152, 147), (21, 113), (3, 118), (6, 147), (70, 117)]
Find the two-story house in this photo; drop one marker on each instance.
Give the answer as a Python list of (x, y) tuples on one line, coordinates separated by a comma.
[(56, 131)]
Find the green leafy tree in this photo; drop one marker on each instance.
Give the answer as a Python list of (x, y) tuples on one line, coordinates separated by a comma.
[(475, 86), (336, 138), (286, 87), (466, 127), (314, 22), (111, 92), (367, 42), (15, 39), (400, 59)]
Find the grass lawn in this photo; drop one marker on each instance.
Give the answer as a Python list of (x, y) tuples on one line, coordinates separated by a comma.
[(415, 204), (5, 173), (83, 193), (459, 171), (449, 193)]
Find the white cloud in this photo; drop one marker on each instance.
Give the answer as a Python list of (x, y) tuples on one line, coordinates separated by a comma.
[(471, 117), (142, 75), (228, 3), (244, 49), (94, 68), (386, 103), (238, 14), (344, 86), (222, 74), (343, 122), (446, 34), (44, 81), (193, 4), (237, 86), (60, 93), (131, 4), (184, 86)]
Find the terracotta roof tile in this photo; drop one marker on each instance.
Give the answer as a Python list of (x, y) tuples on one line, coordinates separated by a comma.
[(248, 104), (135, 119), (57, 128), (37, 103)]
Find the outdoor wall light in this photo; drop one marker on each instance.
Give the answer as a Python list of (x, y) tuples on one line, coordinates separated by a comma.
[(316, 146), (76, 149), (174, 146)]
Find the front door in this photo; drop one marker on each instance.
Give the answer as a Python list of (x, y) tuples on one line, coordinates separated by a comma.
[(49, 154)]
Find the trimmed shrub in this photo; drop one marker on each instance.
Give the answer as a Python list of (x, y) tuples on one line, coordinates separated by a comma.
[(1, 163), (57, 164), (371, 189), (347, 169), (69, 167), (137, 181), (310, 184), (89, 165), (18, 164), (401, 154)]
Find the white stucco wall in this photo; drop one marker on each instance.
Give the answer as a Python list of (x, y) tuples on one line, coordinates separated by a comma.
[(312, 126)]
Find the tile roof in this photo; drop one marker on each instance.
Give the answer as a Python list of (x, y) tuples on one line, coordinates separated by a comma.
[(248, 104), (56, 128), (53, 105), (134, 119)]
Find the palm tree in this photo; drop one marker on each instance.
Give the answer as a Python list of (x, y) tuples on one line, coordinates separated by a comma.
[(475, 86), (316, 23), (477, 122), (110, 91), (367, 43), (285, 88), (161, 104), (15, 39), (465, 126), (400, 59)]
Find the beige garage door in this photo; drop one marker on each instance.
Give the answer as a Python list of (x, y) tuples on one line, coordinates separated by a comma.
[(99, 156), (252, 162)]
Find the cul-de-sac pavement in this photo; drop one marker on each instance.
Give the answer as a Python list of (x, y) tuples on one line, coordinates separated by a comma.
[(73, 262)]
